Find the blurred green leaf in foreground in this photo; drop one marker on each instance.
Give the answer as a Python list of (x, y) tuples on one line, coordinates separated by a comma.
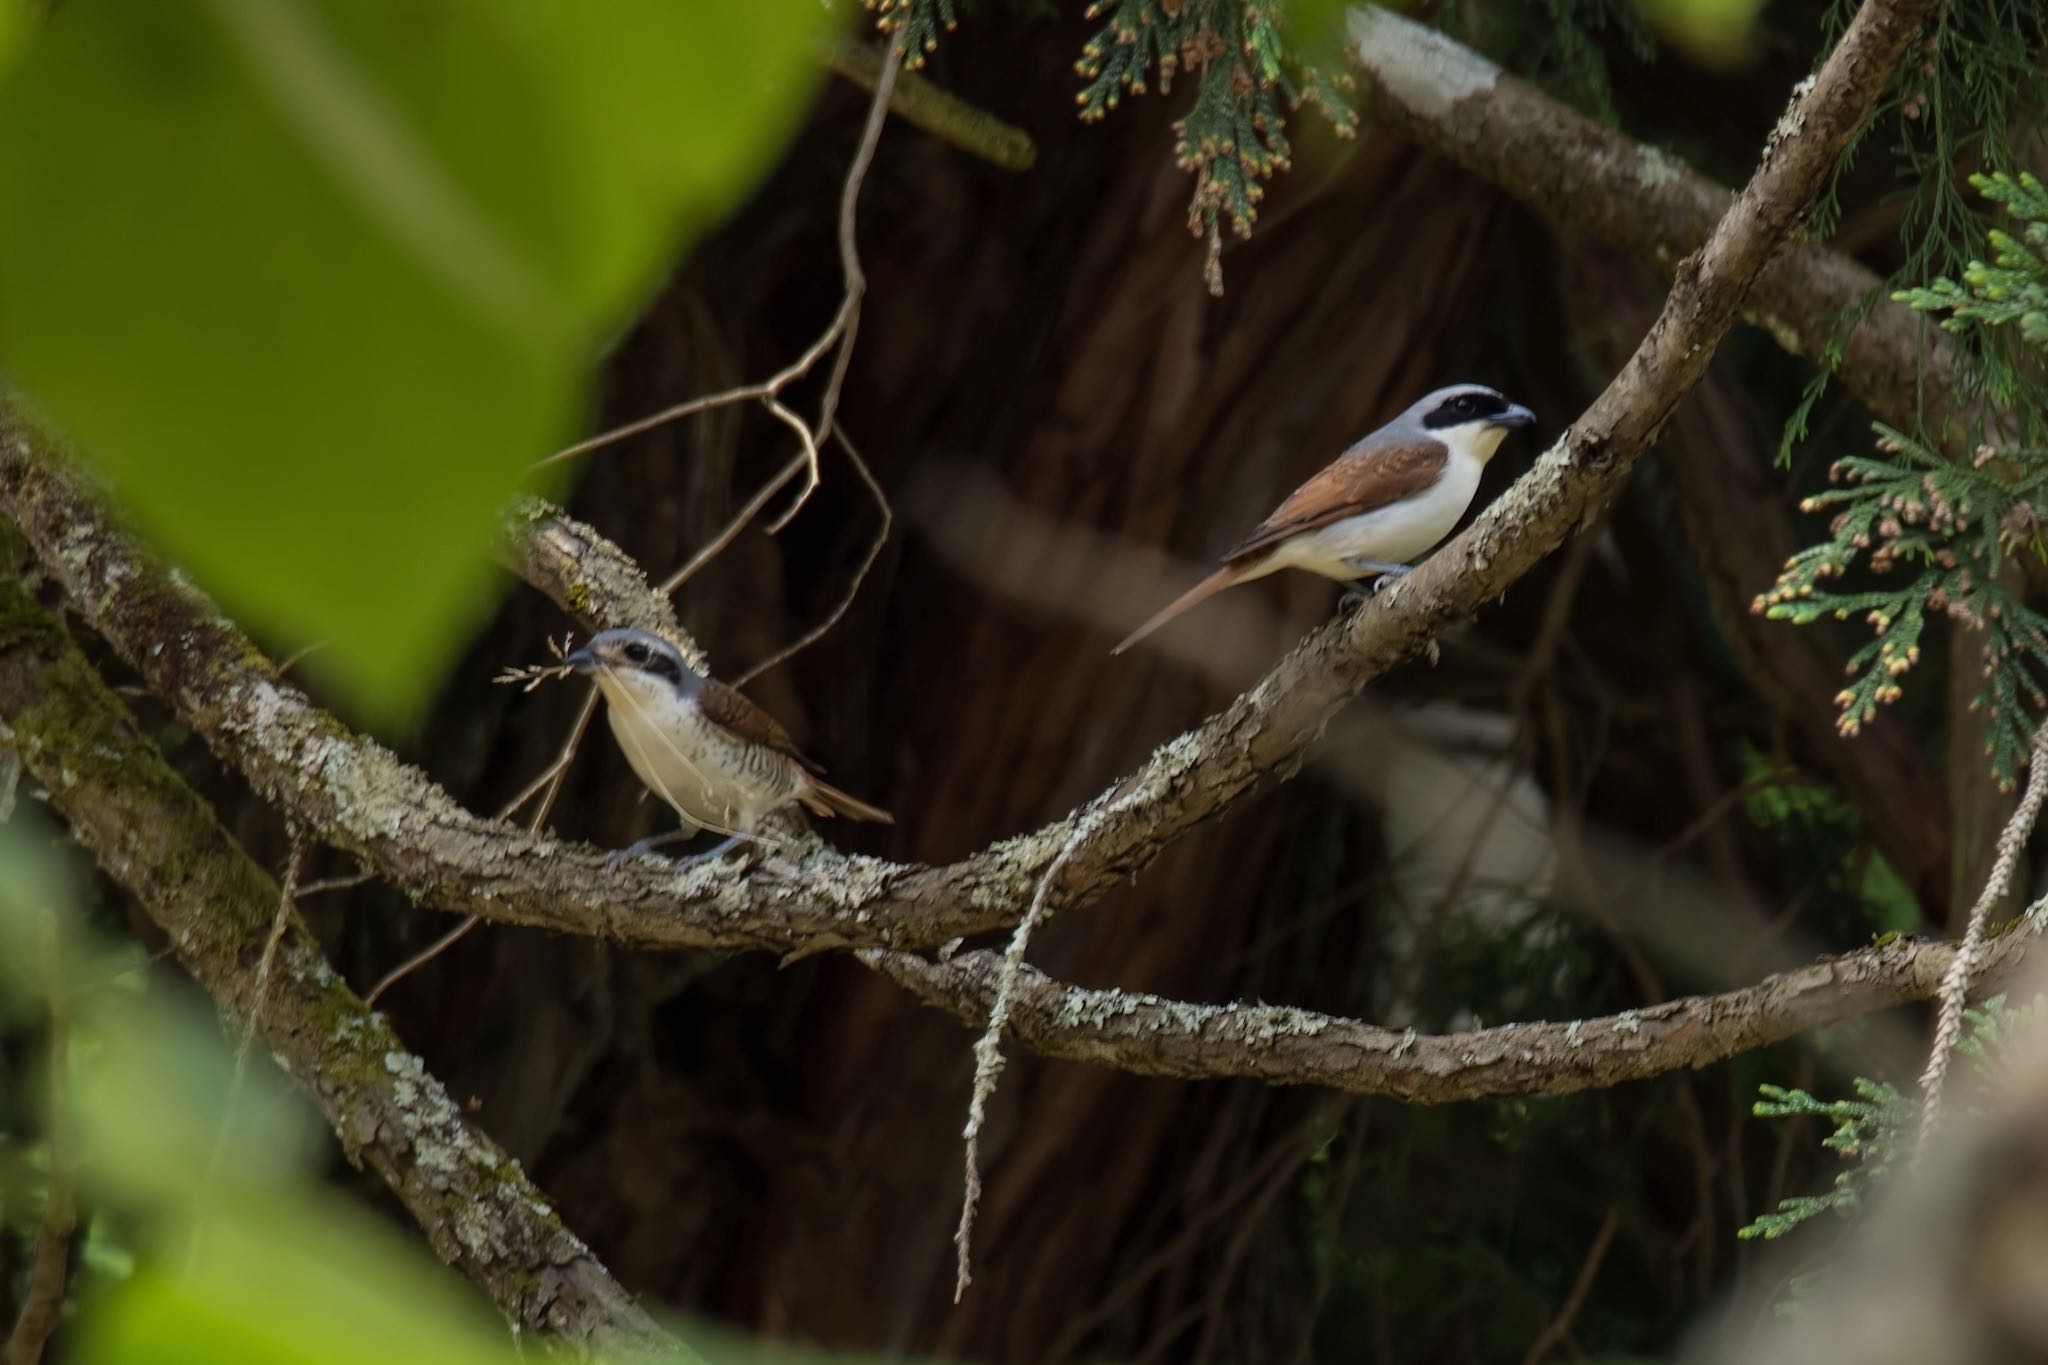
[(245, 1256), (312, 282), (1715, 33)]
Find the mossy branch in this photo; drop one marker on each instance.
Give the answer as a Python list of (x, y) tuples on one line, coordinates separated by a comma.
[(161, 841)]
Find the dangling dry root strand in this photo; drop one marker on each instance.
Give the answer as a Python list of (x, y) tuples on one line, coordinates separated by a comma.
[(988, 1049), (1955, 985)]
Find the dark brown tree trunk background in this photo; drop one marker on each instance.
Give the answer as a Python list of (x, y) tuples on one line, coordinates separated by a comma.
[(778, 1148)]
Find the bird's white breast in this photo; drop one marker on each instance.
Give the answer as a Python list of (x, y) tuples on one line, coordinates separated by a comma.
[(1397, 534), (693, 765)]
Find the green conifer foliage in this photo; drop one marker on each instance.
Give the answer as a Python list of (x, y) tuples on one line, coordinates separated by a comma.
[(1873, 1129), (1249, 71), (1915, 535)]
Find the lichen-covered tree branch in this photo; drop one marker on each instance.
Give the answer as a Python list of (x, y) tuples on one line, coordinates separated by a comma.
[(898, 428), (1154, 1037), (155, 836)]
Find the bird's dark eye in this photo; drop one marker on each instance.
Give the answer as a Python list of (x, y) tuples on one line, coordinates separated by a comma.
[(636, 653), (1464, 405)]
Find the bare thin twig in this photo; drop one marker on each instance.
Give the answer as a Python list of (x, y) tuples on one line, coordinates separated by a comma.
[(551, 778), (420, 959), (1955, 983), (849, 255), (1720, 807), (674, 413), (838, 336), (763, 391), (740, 520), (298, 656), (1559, 1327), (287, 897), (809, 445), (1285, 1154), (988, 1065), (1282, 1178), (817, 632), (347, 883), (988, 1049)]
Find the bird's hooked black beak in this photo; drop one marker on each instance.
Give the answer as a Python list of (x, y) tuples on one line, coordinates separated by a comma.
[(583, 661), (1515, 416)]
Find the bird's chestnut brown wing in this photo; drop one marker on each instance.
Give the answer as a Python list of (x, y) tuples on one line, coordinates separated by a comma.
[(727, 707), (1357, 482)]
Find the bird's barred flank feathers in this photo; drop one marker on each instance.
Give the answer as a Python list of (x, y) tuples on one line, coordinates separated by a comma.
[(721, 761)]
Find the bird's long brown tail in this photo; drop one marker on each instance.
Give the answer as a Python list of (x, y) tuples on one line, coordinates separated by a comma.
[(1201, 592), (822, 798)]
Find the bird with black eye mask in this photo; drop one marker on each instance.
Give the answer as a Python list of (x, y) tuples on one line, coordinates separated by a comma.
[(720, 761), (1386, 500)]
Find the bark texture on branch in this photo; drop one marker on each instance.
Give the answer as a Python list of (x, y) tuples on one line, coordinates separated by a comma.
[(162, 842), (1452, 101), (589, 577), (356, 794), (1149, 1036)]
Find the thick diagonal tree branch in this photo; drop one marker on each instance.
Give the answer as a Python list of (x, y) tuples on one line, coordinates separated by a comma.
[(1149, 1036), (162, 842), (356, 795), (1452, 101), (587, 576)]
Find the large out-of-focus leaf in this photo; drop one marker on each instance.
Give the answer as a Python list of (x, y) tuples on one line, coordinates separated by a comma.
[(1316, 27), (1715, 33), (301, 1279), (35, 902), (154, 1096), (313, 281), (14, 27)]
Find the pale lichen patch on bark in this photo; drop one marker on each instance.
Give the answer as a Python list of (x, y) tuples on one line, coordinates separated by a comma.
[(1656, 169), (1418, 64)]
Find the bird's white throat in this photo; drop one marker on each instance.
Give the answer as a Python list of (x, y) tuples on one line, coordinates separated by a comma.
[(1474, 440)]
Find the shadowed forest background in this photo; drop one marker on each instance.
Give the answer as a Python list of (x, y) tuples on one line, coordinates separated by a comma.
[(1614, 786), (1051, 330)]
